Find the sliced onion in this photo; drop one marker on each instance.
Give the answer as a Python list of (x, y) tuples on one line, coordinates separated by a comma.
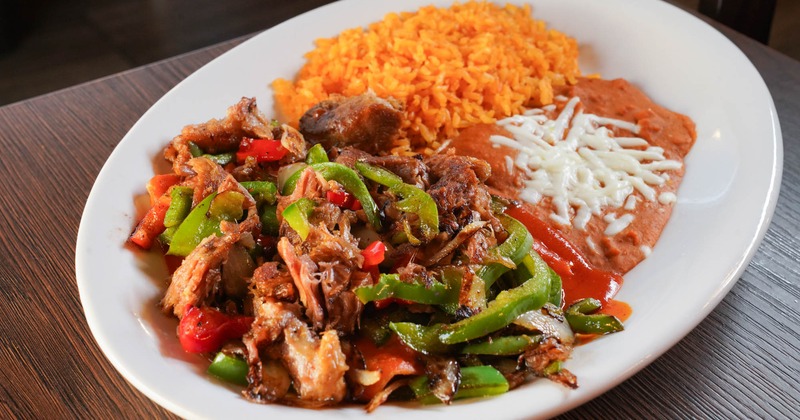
[(366, 377), (286, 171), (237, 268), (536, 320)]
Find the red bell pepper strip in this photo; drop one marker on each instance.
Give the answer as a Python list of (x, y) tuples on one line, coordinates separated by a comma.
[(204, 330), (343, 199), (159, 185), (373, 254), (152, 224), (263, 150), (392, 359)]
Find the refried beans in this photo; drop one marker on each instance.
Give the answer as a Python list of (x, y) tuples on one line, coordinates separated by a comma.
[(624, 247)]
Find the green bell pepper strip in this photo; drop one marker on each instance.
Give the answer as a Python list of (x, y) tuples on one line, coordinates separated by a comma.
[(220, 159), (506, 307), (514, 248), (581, 322), (204, 220), (180, 205), (417, 201), (351, 182), (390, 286), (262, 191), (556, 288), (316, 154), (195, 150), (476, 381), (229, 369), (290, 180), (503, 346), (528, 265), (378, 174), (553, 368), (421, 338), (296, 215), (269, 220), (414, 200), (166, 236)]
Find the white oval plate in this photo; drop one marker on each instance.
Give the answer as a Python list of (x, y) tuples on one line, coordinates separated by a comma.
[(724, 205)]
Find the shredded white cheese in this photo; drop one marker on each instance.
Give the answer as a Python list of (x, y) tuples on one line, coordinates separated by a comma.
[(618, 225), (667, 198), (630, 203), (576, 160), (646, 250)]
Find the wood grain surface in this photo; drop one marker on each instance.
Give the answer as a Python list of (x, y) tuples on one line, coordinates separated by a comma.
[(742, 361)]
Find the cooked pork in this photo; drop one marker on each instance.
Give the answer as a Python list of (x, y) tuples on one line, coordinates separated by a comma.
[(317, 365), (206, 177), (348, 298), (220, 136), (459, 191), (193, 282), (366, 122)]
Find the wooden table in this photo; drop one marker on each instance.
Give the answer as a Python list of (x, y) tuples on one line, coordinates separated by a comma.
[(743, 360)]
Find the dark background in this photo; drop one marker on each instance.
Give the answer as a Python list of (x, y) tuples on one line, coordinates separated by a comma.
[(46, 45)]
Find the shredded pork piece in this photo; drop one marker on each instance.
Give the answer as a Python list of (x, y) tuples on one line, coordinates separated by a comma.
[(302, 269), (316, 365), (191, 283), (219, 136), (271, 317), (548, 351), (206, 177), (459, 192)]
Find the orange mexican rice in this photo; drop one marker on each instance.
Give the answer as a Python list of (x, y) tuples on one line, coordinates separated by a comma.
[(449, 67)]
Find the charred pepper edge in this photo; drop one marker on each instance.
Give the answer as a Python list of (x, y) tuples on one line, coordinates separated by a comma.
[(582, 320), (415, 200), (501, 311), (476, 381), (351, 182)]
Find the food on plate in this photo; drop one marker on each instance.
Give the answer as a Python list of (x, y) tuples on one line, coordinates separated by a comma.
[(317, 276), (450, 67), (446, 214)]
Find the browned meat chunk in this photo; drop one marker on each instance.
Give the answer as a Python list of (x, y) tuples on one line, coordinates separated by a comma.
[(316, 364), (303, 271), (206, 177), (548, 351), (194, 280), (268, 379), (459, 192), (219, 136), (325, 273), (348, 156), (410, 168), (366, 122), (273, 281), (338, 258)]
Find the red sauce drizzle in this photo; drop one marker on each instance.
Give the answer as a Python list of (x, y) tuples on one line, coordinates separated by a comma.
[(617, 308), (580, 280)]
